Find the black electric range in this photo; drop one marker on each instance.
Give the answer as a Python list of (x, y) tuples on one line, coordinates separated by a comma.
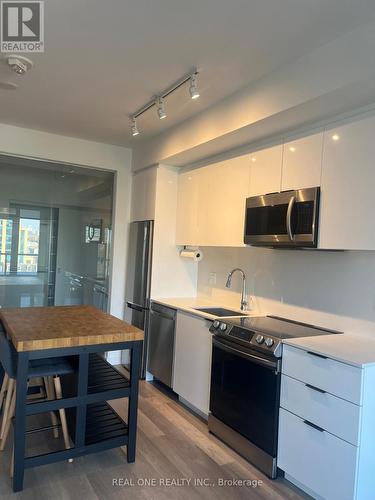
[(245, 383)]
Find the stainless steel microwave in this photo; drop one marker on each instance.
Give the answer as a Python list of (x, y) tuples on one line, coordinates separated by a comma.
[(286, 219)]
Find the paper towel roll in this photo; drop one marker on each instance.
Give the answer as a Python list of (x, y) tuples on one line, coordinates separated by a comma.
[(195, 255)]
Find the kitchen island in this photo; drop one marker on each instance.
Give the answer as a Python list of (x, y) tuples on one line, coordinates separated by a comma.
[(81, 333)]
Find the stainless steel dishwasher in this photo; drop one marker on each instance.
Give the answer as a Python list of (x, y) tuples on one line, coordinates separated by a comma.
[(161, 343)]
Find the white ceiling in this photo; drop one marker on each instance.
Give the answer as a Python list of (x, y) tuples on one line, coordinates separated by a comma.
[(105, 59)]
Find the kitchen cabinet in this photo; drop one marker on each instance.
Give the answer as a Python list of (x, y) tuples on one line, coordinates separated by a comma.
[(192, 361), (187, 208), (224, 210), (302, 162), (143, 195), (326, 432), (348, 184), (211, 204), (265, 171)]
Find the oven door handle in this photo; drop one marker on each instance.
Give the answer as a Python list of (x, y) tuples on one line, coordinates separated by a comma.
[(251, 357)]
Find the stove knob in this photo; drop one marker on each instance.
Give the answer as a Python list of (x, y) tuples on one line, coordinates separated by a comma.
[(269, 342), (259, 339), (223, 327), (216, 324)]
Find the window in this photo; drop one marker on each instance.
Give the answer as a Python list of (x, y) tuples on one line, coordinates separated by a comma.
[(19, 244), (6, 230), (28, 246)]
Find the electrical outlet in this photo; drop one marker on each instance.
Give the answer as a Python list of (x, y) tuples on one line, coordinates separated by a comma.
[(212, 279)]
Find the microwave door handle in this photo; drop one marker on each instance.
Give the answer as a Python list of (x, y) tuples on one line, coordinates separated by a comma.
[(289, 217)]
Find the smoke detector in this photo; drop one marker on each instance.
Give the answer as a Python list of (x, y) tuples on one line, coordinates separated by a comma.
[(19, 64)]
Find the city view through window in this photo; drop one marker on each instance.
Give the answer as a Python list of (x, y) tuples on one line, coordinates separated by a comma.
[(19, 243)]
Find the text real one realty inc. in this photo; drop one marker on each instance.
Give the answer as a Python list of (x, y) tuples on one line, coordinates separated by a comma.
[(182, 481)]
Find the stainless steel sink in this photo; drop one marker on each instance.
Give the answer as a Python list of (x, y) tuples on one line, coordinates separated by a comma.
[(220, 312)]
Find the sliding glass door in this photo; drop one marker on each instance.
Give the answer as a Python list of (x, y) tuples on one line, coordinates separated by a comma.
[(55, 234)]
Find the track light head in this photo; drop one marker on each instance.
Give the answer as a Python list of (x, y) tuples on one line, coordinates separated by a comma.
[(161, 109), (193, 88), (134, 128)]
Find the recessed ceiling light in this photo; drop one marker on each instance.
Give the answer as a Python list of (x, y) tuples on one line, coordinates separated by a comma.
[(8, 86), (335, 137)]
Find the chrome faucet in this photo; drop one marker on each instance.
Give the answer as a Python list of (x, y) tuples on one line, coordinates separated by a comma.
[(244, 302)]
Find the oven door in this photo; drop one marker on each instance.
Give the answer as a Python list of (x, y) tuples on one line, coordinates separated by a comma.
[(289, 218), (245, 393)]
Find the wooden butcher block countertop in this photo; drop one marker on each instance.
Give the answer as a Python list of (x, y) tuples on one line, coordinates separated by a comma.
[(35, 328)]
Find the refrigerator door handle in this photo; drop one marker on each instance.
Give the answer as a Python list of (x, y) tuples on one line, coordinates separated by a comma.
[(131, 305)]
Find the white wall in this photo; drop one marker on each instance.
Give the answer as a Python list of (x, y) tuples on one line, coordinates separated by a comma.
[(331, 289), (41, 145), (171, 275)]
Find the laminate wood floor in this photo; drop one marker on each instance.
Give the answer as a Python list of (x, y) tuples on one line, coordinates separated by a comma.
[(176, 459)]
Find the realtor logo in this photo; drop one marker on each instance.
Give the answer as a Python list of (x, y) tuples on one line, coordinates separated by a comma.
[(22, 26)]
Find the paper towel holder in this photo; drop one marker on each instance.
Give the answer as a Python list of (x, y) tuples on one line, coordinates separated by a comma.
[(191, 252)]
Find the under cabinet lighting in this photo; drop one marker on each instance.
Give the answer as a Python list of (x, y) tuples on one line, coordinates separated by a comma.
[(292, 149), (335, 137)]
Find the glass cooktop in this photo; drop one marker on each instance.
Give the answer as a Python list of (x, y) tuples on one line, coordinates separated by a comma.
[(278, 327)]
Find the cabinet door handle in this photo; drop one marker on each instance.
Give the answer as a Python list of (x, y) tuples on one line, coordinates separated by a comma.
[(316, 427), (315, 388), (317, 355)]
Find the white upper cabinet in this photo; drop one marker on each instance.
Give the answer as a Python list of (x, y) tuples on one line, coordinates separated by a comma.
[(211, 204), (302, 163), (265, 171), (187, 208), (227, 185), (348, 185), (144, 195)]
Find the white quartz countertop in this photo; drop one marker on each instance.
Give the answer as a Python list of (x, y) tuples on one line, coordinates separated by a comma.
[(356, 350), (190, 304)]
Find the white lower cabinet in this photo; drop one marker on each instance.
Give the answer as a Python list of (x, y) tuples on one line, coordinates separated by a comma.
[(326, 425), (192, 361), (320, 461), (322, 408)]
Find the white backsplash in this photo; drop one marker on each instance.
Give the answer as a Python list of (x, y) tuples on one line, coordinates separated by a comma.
[(331, 289)]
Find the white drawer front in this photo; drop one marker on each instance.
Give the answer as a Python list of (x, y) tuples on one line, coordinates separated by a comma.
[(335, 415), (322, 462), (332, 376)]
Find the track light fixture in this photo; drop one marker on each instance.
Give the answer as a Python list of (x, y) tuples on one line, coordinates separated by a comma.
[(134, 127), (159, 100), (193, 88), (161, 108)]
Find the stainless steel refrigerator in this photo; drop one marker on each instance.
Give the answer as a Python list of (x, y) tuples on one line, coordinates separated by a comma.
[(138, 281)]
